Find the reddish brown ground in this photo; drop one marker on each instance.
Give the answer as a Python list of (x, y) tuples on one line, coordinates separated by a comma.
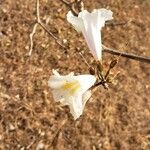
[(117, 119)]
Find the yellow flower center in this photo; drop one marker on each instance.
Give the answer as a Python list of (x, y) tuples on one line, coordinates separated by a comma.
[(71, 86)]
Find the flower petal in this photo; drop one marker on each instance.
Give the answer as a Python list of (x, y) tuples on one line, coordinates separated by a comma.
[(92, 34), (86, 81), (55, 72), (90, 24), (72, 91), (75, 106), (86, 96), (75, 21), (103, 15), (55, 82), (78, 104)]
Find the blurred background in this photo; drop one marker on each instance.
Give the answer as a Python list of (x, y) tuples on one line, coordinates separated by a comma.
[(114, 119)]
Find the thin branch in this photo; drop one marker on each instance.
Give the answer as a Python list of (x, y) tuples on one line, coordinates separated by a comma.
[(127, 55), (38, 11), (59, 129), (70, 6), (112, 23), (66, 3), (80, 5), (52, 35), (84, 59), (40, 22), (44, 27), (31, 38)]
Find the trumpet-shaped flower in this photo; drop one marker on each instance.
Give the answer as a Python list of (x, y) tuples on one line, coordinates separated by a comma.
[(71, 90), (90, 25)]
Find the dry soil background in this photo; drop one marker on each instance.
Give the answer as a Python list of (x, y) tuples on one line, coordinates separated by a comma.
[(117, 119)]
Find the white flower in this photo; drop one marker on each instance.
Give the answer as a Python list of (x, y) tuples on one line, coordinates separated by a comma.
[(90, 25), (71, 90)]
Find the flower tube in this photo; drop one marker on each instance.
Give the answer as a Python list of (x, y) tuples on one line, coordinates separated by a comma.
[(90, 25)]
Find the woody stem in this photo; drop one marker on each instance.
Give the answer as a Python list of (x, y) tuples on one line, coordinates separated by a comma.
[(127, 55)]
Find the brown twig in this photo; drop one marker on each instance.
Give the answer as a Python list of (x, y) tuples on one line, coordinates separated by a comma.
[(44, 27), (112, 23), (31, 38), (38, 11), (80, 5), (84, 59), (71, 6), (127, 55), (59, 129), (52, 35)]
